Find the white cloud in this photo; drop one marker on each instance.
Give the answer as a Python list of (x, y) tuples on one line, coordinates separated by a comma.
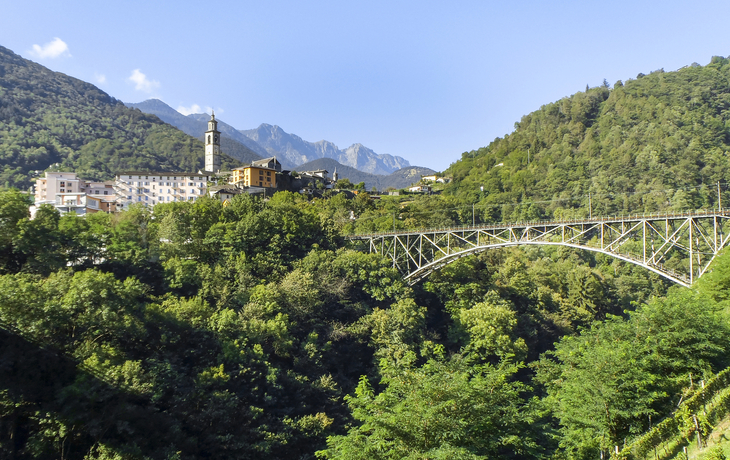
[(195, 108), (52, 49), (142, 83), (100, 78)]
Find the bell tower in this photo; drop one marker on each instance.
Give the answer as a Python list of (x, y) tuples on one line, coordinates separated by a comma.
[(212, 146)]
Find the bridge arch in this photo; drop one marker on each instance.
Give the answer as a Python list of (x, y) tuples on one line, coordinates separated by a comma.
[(425, 271)]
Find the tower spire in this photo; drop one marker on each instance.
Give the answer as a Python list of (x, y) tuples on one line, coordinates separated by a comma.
[(212, 145)]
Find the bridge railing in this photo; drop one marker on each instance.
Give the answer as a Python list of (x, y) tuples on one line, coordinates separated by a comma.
[(535, 223)]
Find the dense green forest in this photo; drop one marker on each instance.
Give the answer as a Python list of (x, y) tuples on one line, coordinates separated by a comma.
[(256, 330), (51, 120), (252, 331)]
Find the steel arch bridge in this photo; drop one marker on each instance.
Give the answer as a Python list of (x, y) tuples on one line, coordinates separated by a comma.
[(679, 246)]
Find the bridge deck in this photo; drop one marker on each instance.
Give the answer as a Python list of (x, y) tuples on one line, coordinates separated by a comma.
[(725, 212)]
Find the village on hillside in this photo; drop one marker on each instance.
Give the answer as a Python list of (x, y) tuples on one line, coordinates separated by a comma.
[(69, 193)]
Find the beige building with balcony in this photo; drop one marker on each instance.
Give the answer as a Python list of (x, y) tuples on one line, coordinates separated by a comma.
[(67, 193), (53, 183)]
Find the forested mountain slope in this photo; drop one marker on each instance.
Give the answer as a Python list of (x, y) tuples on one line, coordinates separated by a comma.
[(47, 117), (660, 141)]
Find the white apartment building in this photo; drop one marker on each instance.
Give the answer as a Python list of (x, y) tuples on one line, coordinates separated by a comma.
[(53, 183), (151, 188)]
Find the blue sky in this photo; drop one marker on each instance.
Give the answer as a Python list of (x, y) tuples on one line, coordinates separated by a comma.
[(425, 80)]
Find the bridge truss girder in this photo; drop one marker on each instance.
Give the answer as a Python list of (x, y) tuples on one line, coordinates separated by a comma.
[(679, 247)]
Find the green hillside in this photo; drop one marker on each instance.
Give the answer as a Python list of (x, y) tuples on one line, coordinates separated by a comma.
[(660, 141), (48, 118)]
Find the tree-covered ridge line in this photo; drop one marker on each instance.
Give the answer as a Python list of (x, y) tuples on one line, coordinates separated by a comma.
[(48, 118), (635, 147), (658, 143)]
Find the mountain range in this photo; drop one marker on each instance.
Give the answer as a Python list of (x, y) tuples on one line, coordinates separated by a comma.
[(401, 178), (293, 151), (270, 140)]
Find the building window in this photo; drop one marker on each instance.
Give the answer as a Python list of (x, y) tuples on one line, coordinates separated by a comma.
[(96, 192), (106, 192)]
